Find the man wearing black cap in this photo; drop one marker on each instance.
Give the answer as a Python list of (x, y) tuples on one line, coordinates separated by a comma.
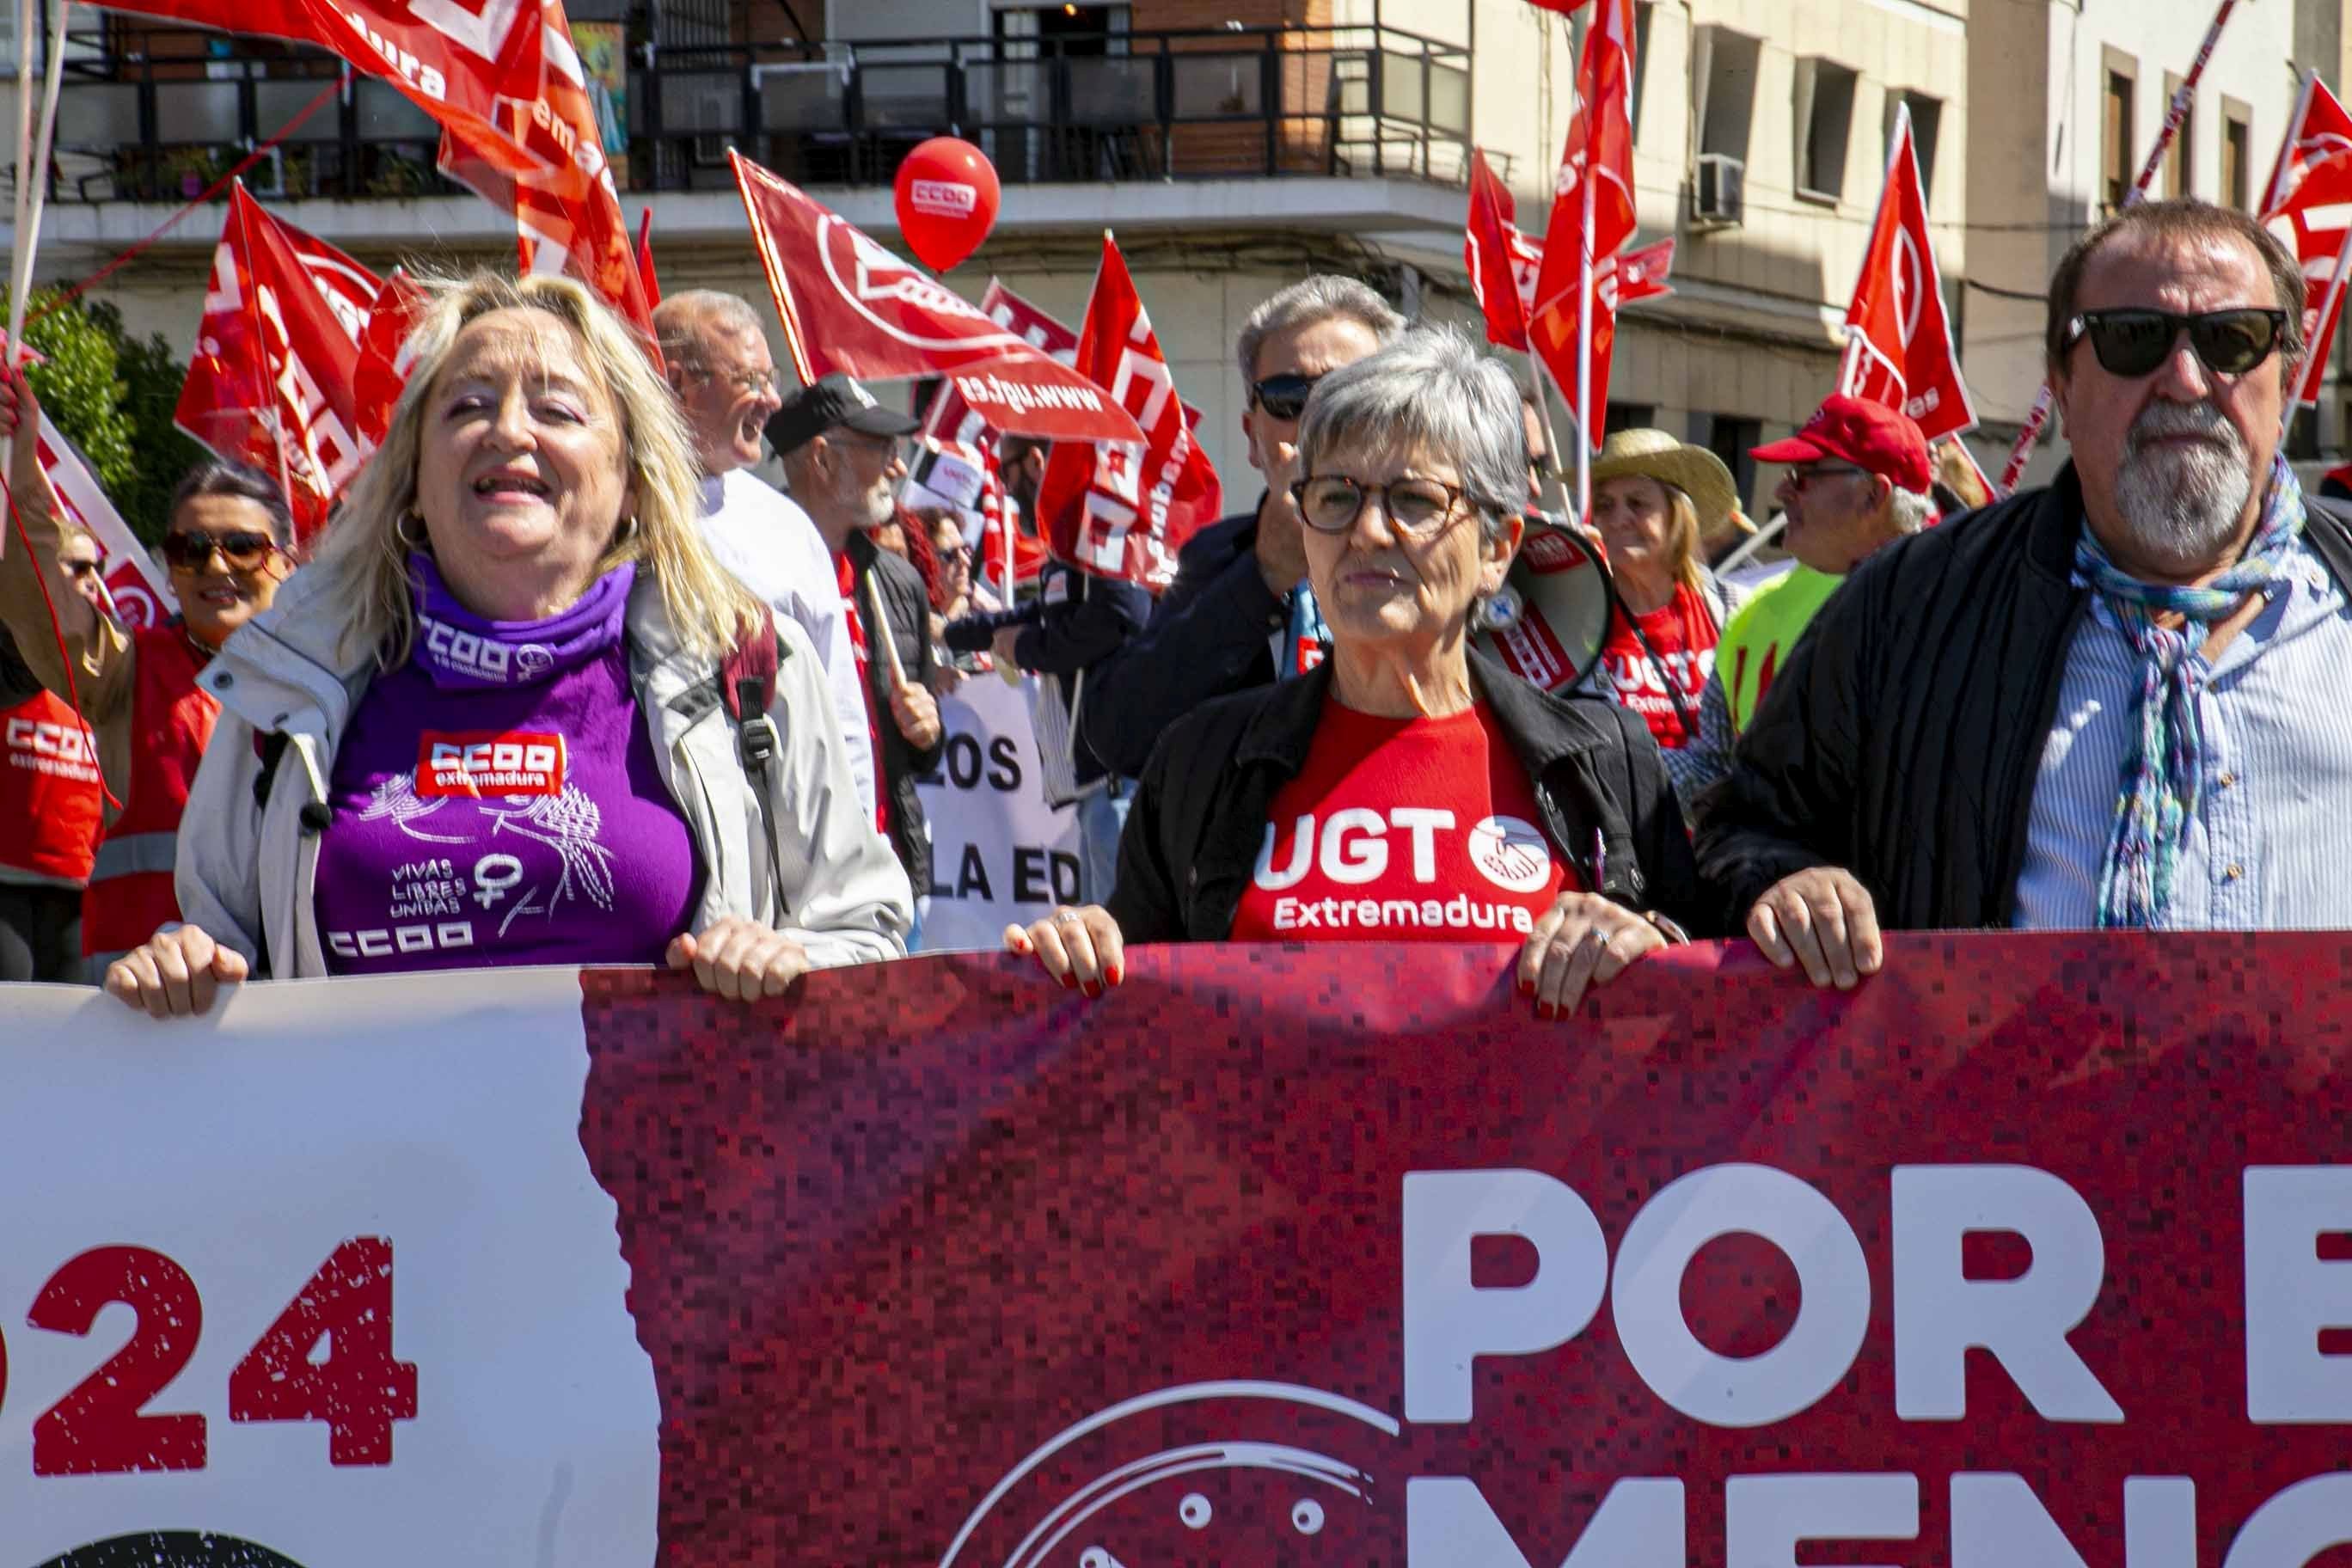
[(841, 449)]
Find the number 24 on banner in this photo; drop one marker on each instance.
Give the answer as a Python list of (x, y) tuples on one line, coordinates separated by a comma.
[(99, 1429)]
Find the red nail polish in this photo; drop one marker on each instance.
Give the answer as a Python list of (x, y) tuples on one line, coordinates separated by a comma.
[(1527, 987), (1117, 973), (1069, 982)]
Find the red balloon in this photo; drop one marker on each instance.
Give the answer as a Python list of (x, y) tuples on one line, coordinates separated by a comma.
[(947, 200)]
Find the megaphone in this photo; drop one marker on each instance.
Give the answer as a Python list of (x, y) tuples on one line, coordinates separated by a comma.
[(1551, 619)]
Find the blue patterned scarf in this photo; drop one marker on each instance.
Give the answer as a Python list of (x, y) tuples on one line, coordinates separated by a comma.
[(2165, 763)]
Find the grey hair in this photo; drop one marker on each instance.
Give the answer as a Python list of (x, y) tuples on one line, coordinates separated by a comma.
[(1909, 511), (1311, 300), (1433, 392), (681, 319)]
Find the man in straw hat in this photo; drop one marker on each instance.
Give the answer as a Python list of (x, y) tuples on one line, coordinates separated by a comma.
[(1859, 477), (1656, 502)]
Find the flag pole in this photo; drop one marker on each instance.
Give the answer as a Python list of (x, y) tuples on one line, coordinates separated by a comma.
[(32, 131), (1543, 411), (2175, 112), (1584, 341)]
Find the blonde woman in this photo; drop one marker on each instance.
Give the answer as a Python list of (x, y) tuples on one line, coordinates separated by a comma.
[(1655, 502), (485, 726)]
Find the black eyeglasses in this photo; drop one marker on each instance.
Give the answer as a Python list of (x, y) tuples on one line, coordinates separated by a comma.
[(189, 550), (1284, 396), (2132, 342), (1330, 503)]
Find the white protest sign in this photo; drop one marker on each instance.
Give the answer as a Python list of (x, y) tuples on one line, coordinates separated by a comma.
[(1000, 855), (323, 1272)]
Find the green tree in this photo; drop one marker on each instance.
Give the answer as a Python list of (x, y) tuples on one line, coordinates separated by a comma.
[(112, 396)]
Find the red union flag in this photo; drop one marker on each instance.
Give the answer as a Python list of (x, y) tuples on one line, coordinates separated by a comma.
[(849, 305), (1492, 248), (951, 418), (1114, 508), (2309, 205), (1641, 274), (139, 592), (1899, 342), (1595, 168), (504, 84), (385, 354), (271, 382)]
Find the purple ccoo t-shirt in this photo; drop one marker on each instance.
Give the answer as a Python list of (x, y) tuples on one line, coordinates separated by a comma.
[(495, 801)]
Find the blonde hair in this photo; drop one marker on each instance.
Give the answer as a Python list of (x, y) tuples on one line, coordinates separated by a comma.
[(1682, 531), (708, 610)]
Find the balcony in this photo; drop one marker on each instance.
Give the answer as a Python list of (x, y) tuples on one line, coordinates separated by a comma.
[(142, 118)]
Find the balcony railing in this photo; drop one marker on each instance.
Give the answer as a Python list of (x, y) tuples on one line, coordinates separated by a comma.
[(143, 118)]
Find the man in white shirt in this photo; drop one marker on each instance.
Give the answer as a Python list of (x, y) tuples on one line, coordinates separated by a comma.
[(726, 384)]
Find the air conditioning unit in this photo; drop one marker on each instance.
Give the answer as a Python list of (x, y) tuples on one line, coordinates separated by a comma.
[(1719, 193)]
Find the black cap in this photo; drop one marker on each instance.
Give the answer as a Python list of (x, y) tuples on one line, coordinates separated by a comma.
[(830, 403)]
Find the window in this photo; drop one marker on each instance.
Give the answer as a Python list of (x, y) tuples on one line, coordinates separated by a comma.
[(1629, 417), (1723, 64), (2180, 158), (1729, 436), (1824, 119), (1927, 120), (2116, 131), (1641, 14), (2237, 156), (2303, 436)]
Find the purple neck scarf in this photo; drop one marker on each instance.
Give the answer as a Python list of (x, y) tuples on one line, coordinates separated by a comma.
[(463, 652)]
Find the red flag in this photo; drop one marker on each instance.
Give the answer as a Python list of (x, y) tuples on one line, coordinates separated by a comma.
[(271, 381), (1490, 241), (1596, 166), (2309, 205), (1641, 274), (1899, 342), (1118, 509), (506, 87), (949, 418), (1565, 7), (849, 305), (646, 257), (140, 593), (385, 354)]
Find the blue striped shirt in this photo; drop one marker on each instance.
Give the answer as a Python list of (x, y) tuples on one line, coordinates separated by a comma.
[(2271, 841)]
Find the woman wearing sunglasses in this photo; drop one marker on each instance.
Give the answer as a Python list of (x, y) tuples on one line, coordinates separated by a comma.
[(226, 545), (1405, 789), (514, 712)]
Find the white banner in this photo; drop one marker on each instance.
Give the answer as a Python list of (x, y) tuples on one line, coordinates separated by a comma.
[(1000, 855), (320, 1273)]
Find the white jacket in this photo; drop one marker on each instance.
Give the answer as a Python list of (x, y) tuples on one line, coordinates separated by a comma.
[(245, 870)]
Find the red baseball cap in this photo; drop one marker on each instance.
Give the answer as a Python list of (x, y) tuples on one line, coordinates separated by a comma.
[(1870, 436)]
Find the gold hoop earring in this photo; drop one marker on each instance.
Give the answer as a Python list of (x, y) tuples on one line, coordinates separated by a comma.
[(400, 530)]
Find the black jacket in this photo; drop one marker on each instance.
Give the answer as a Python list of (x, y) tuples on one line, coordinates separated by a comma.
[(1212, 634), (1199, 818), (1902, 738), (908, 604), (1082, 621)]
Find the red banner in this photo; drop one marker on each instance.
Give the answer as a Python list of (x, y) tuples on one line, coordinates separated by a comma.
[(385, 354), (272, 380), (2309, 205), (849, 305), (2029, 1247), (1899, 341), (951, 418), (1502, 262), (1114, 508), (1596, 169)]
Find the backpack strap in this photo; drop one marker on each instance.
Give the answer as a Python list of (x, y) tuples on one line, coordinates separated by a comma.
[(747, 687)]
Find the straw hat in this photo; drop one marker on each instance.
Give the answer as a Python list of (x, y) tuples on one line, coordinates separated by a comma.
[(1693, 471)]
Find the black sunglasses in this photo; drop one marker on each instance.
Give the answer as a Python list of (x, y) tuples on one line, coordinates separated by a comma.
[(189, 550), (2132, 342), (1284, 395)]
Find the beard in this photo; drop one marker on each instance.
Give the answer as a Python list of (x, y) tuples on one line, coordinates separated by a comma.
[(2183, 503)]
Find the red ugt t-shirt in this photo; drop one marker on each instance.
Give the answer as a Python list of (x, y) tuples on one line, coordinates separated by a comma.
[(1403, 830), (1685, 637)]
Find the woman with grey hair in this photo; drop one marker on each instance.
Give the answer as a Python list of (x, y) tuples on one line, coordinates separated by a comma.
[(1407, 790)]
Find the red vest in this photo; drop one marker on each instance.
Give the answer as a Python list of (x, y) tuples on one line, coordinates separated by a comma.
[(50, 797), (130, 892)]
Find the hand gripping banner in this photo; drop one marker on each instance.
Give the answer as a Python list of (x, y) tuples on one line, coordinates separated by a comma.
[(2029, 1251)]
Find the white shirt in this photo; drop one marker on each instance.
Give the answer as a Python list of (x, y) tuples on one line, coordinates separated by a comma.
[(762, 536)]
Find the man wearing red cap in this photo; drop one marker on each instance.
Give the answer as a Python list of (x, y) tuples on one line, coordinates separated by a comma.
[(2115, 702), (1858, 478)]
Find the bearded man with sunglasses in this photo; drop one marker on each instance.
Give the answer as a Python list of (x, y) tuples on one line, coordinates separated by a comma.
[(1240, 614), (228, 545), (2113, 702)]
